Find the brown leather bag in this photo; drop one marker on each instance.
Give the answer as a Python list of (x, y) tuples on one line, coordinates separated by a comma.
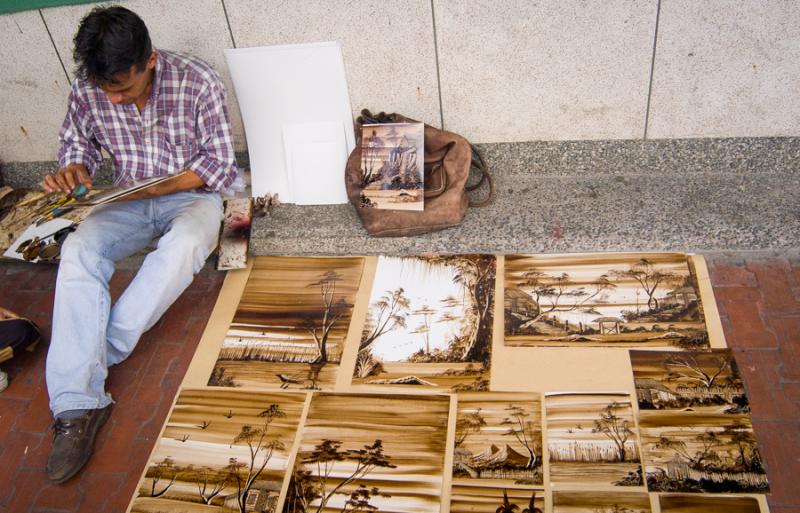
[(448, 160)]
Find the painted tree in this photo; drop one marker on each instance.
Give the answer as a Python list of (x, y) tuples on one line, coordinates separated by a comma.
[(424, 329), (358, 500), (328, 453), (519, 426), (507, 506), (741, 437), (261, 446), (614, 427), (164, 470), (468, 423), (532, 505), (699, 453), (649, 277), (552, 294), (211, 483), (333, 309), (388, 313), (705, 374)]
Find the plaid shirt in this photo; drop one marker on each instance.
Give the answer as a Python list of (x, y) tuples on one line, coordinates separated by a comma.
[(184, 125)]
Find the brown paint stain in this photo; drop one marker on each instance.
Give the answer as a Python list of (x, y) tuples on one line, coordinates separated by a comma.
[(558, 231), (24, 132)]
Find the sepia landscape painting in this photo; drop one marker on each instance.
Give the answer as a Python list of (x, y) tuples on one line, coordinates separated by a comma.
[(370, 453), (221, 451), (701, 452), (707, 382), (649, 300), (478, 497), (291, 324), (707, 504), (392, 166), (498, 438), (429, 324), (591, 438), (600, 502)]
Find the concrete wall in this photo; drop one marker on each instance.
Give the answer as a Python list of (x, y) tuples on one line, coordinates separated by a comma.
[(496, 71)]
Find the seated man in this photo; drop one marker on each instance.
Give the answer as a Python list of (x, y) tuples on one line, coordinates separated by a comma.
[(156, 113)]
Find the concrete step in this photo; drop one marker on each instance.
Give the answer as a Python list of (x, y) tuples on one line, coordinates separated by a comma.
[(682, 195)]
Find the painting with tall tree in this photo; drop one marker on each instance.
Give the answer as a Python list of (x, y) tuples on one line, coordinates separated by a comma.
[(644, 300), (575, 501), (498, 438), (370, 453), (221, 450), (591, 438), (291, 323), (429, 324), (703, 381)]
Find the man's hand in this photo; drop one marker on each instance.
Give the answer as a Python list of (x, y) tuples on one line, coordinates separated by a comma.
[(66, 178)]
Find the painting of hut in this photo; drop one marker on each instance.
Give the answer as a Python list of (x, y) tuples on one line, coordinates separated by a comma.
[(429, 324), (707, 381), (692, 451), (291, 324), (635, 300), (498, 438)]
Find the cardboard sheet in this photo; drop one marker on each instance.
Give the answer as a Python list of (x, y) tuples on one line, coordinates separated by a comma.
[(479, 459)]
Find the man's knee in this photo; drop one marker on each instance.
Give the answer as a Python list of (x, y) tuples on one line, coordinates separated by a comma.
[(189, 247), (17, 334)]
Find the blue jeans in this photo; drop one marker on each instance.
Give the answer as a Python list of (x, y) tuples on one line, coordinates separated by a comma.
[(89, 334)]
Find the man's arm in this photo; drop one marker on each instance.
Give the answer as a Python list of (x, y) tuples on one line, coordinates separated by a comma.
[(186, 181), (79, 152)]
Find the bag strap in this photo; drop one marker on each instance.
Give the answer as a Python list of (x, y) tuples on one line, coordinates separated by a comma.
[(479, 164)]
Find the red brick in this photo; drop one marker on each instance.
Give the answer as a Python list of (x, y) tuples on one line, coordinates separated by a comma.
[(731, 275), (787, 331), (738, 294), (37, 418), (18, 448), (747, 328), (762, 365), (22, 489), (66, 496), (775, 438), (774, 280), (97, 488), (10, 410)]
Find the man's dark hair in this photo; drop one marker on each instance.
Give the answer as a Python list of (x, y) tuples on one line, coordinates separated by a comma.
[(110, 40)]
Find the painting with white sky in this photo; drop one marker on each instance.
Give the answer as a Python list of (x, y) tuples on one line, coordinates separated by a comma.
[(429, 323)]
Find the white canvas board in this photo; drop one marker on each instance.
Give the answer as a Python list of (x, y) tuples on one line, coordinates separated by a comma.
[(316, 155), (281, 85)]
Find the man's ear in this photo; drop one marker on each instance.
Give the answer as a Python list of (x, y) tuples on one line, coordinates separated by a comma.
[(151, 61)]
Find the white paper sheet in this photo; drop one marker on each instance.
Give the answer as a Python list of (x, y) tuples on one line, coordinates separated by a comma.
[(280, 86), (316, 155)]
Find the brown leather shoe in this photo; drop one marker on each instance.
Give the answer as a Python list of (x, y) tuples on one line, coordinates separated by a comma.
[(73, 442)]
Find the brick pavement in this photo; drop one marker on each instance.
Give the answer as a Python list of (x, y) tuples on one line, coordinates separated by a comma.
[(758, 298)]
